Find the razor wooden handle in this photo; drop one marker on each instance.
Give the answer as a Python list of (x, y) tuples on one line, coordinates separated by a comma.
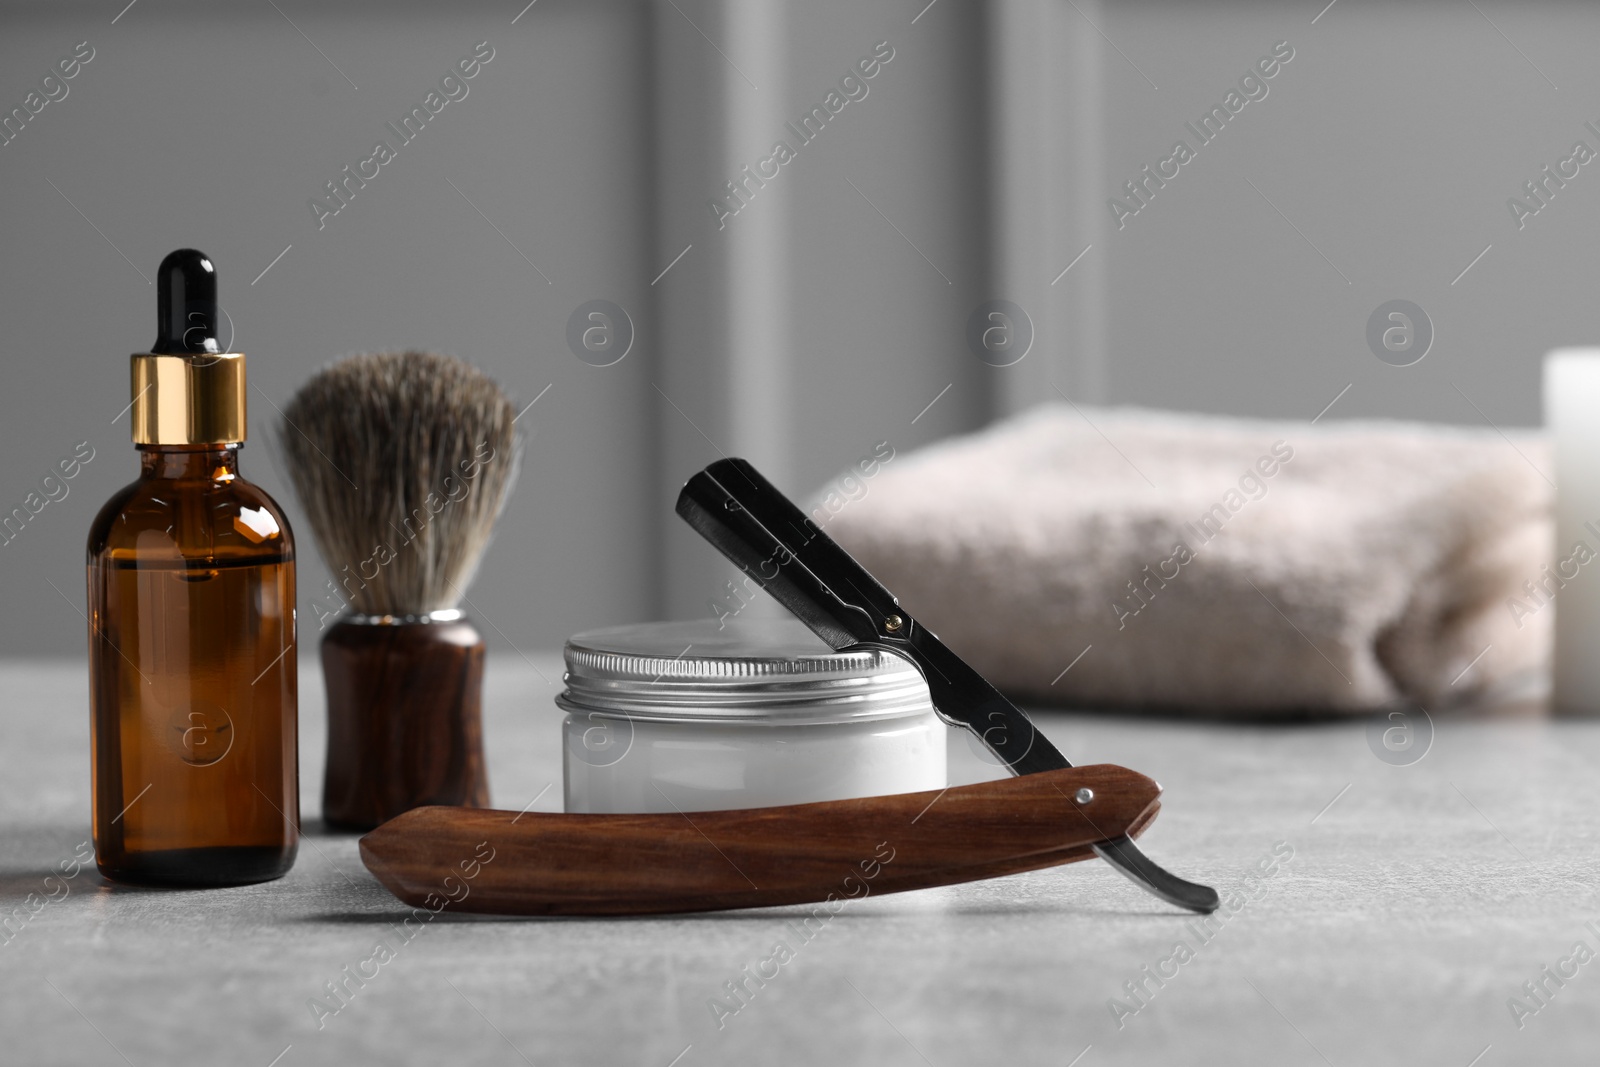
[(533, 863)]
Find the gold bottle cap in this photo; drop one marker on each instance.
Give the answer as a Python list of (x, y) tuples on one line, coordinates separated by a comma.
[(188, 399)]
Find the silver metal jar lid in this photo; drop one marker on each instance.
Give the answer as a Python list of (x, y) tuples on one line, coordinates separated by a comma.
[(749, 670)]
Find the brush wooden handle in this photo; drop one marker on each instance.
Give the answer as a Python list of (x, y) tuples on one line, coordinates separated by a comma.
[(404, 720), (532, 863)]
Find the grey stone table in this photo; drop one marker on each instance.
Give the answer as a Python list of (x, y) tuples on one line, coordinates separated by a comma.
[(1406, 906)]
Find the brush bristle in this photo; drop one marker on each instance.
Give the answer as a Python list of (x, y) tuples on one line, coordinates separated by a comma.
[(402, 461)]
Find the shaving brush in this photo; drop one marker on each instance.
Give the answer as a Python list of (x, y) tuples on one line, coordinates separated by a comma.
[(402, 461)]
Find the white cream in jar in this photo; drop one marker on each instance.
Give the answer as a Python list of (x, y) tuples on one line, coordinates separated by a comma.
[(687, 716)]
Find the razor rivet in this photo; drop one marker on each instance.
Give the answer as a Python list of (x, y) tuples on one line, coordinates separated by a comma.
[(1084, 795), (893, 624)]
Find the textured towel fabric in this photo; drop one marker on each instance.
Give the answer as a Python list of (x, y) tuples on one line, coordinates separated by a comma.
[(1219, 564)]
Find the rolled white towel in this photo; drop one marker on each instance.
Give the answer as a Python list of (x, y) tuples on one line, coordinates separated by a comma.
[(1219, 564)]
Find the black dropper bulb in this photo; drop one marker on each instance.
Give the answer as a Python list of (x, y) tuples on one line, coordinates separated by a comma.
[(186, 300)]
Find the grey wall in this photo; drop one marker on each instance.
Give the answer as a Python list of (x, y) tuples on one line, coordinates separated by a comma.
[(827, 314), (592, 141), (1392, 141)]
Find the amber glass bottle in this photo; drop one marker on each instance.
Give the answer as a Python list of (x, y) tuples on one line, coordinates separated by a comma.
[(192, 627)]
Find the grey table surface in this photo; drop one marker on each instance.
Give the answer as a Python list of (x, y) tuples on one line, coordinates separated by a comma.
[(1418, 900)]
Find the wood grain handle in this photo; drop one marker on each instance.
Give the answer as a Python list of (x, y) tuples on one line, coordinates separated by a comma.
[(534, 863), (404, 725)]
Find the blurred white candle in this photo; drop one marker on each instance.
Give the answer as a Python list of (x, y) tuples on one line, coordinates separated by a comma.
[(1572, 414)]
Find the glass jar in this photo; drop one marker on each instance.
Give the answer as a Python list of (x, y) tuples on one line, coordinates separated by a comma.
[(697, 716)]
